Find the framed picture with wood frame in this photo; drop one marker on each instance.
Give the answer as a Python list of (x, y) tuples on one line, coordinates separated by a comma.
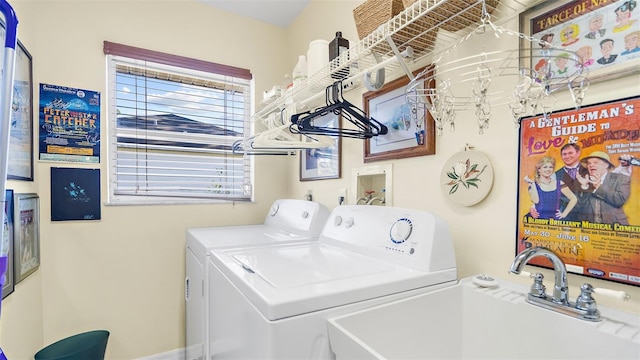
[(605, 35), (411, 131)]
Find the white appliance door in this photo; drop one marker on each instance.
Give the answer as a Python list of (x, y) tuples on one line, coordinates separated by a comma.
[(296, 266), (195, 307), (234, 236), (291, 279)]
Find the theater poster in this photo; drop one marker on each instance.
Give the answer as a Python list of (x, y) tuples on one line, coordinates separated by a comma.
[(69, 124), (579, 189)]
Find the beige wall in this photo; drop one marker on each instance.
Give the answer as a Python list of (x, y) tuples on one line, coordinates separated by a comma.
[(484, 234), (125, 272), (21, 324)]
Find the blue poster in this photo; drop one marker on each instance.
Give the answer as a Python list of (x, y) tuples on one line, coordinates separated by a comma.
[(69, 124), (75, 194)]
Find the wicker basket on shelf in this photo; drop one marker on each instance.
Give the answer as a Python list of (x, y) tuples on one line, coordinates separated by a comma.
[(420, 34), (455, 15), (373, 13), (407, 3)]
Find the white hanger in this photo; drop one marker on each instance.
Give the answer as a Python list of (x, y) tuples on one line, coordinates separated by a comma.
[(282, 138)]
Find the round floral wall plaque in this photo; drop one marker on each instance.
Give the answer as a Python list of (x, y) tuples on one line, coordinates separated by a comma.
[(467, 177)]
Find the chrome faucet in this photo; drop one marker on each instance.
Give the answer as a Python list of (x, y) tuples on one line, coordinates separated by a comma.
[(585, 306), (369, 199), (560, 288), (374, 199), (364, 200)]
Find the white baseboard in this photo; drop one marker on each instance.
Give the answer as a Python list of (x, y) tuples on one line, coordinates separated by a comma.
[(177, 354)]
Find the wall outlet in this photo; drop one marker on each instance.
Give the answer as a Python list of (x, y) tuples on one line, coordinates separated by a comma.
[(342, 196)]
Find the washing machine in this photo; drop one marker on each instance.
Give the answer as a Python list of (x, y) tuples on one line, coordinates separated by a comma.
[(288, 220), (273, 301)]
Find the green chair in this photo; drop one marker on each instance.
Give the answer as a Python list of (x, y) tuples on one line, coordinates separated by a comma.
[(90, 345)]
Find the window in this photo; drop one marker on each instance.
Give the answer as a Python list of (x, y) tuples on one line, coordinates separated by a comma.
[(172, 125)]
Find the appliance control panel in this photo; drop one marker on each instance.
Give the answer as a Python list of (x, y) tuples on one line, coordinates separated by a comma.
[(405, 236), (298, 216), (393, 234), (401, 230)]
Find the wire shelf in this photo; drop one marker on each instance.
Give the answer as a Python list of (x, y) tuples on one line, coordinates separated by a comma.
[(428, 27)]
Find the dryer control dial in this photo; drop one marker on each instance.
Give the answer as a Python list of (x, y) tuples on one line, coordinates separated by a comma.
[(348, 222), (305, 214), (274, 210), (337, 221), (401, 230)]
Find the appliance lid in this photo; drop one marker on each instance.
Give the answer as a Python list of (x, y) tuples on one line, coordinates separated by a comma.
[(243, 235), (284, 280), (295, 266)]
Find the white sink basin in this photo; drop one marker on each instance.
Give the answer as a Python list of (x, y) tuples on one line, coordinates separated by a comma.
[(465, 322)]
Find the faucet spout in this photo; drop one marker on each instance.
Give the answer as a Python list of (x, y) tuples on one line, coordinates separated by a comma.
[(585, 307), (560, 289)]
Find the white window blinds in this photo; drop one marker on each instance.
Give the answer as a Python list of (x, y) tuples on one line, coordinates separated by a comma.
[(172, 128)]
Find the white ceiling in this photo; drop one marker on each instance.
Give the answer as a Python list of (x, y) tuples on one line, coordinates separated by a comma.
[(277, 12)]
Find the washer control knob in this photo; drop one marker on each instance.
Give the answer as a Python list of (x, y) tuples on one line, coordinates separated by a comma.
[(305, 214), (337, 220), (401, 230), (274, 210), (348, 222)]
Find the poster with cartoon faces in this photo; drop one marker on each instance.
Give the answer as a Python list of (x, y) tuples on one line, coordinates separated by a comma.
[(601, 33)]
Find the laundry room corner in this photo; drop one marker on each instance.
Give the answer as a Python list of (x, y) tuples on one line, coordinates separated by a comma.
[(487, 227), (125, 271), (244, 206)]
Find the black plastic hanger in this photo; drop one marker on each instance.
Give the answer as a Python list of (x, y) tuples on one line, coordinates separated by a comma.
[(303, 123)]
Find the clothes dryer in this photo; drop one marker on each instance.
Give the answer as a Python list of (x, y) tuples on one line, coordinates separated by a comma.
[(288, 220), (273, 301)]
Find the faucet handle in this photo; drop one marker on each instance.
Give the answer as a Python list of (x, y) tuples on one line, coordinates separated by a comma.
[(585, 301), (620, 295), (537, 288), (525, 274)]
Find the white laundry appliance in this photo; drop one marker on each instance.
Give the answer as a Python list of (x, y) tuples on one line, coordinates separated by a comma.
[(288, 220), (273, 301)]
